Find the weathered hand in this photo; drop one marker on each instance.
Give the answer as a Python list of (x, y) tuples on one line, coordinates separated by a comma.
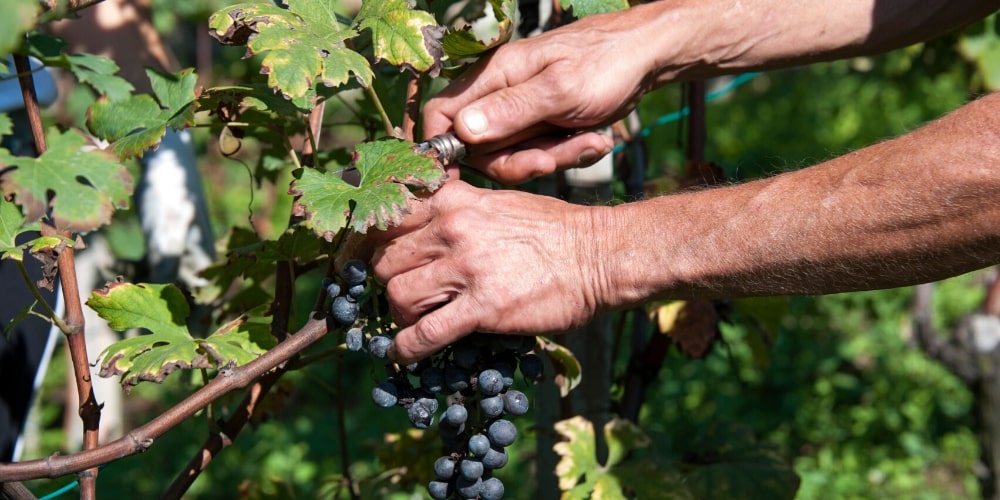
[(491, 261), (528, 108)]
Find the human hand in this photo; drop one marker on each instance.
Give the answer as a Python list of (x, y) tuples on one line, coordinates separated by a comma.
[(528, 108), (470, 259)]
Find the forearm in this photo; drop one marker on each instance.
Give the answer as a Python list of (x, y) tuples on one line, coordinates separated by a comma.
[(684, 39), (915, 209)]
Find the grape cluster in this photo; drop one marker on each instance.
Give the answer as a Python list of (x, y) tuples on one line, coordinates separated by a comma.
[(346, 292), (474, 379)]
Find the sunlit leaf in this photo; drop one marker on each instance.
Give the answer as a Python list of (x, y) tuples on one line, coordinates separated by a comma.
[(402, 35), (568, 372), (463, 43), (238, 342), (137, 123), (386, 168), (584, 8), (86, 185), (301, 45)]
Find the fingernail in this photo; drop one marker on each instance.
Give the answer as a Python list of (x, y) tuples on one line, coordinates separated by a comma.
[(475, 121), (588, 156)]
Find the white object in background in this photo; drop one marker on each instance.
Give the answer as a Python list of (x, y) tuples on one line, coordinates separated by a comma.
[(10, 89)]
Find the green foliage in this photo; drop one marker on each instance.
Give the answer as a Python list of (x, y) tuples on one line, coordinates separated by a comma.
[(11, 222), (19, 17), (983, 49), (584, 8), (94, 70), (301, 45), (568, 373), (163, 310), (89, 185), (386, 168), (137, 123), (464, 43), (402, 36)]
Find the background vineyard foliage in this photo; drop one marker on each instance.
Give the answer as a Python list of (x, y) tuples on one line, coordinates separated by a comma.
[(841, 393)]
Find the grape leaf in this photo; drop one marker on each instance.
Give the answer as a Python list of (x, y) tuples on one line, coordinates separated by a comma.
[(567, 367), (81, 187), (584, 8), (301, 45), (692, 324), (6, 125), (18, 18), (386, 167), (162, 310), (984, 51), (463, 43), (401, 35), (94, 70), (11, 223), (137, 123), (581, 476)]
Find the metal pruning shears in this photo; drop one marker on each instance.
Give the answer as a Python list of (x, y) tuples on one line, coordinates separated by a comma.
[(450, 149)]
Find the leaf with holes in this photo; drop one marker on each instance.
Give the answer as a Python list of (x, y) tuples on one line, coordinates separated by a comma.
[(584, 8), (463, 43), (162, 310), (81, 187), (581, 476), (301, 45), (386, 168), (137, 123), (401, 35)]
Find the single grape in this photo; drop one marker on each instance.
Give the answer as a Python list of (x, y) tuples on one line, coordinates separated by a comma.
[(444, 468), (492, 489), (502, 433), (420, 415), (345, 310), (470, 468), (456, 379), (515, 402), (467, 488), (491, 407), (386, 394), (494, 458), (532, 367), (432, 379), (456, 415), (430, 403), (333, 289), (356, 291), (466, 356), (354, 339), (379, 345), (490, 382), (527, 344), (354, 272), (439, 490), (506, 369), (479, 445)]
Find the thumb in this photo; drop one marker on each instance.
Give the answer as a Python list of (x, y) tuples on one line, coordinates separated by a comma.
[(509, 114)]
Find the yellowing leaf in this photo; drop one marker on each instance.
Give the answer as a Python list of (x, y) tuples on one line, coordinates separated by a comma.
[(301, 45), (567, 367), (82, 188), (401, 35), (463, 43), (386, 167)]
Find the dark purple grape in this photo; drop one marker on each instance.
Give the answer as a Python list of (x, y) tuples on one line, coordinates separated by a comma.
[(432, 379), (491, 407), (356, 291), (506, 369), (494, 459), (354, 272), (466, 356), (532, 367), (456, 415), (479, 445), (333, 289), (456, 379), (490, 382), (467, 488), (502, 433), (420, 415), (354, 339), (444, 468), (345, 310), (439, 490), (492, 489), (386, 394), (378, 346), (470, 468), (515, 402)]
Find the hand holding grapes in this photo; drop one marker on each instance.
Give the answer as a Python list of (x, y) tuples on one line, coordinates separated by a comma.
[(490, 261)]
